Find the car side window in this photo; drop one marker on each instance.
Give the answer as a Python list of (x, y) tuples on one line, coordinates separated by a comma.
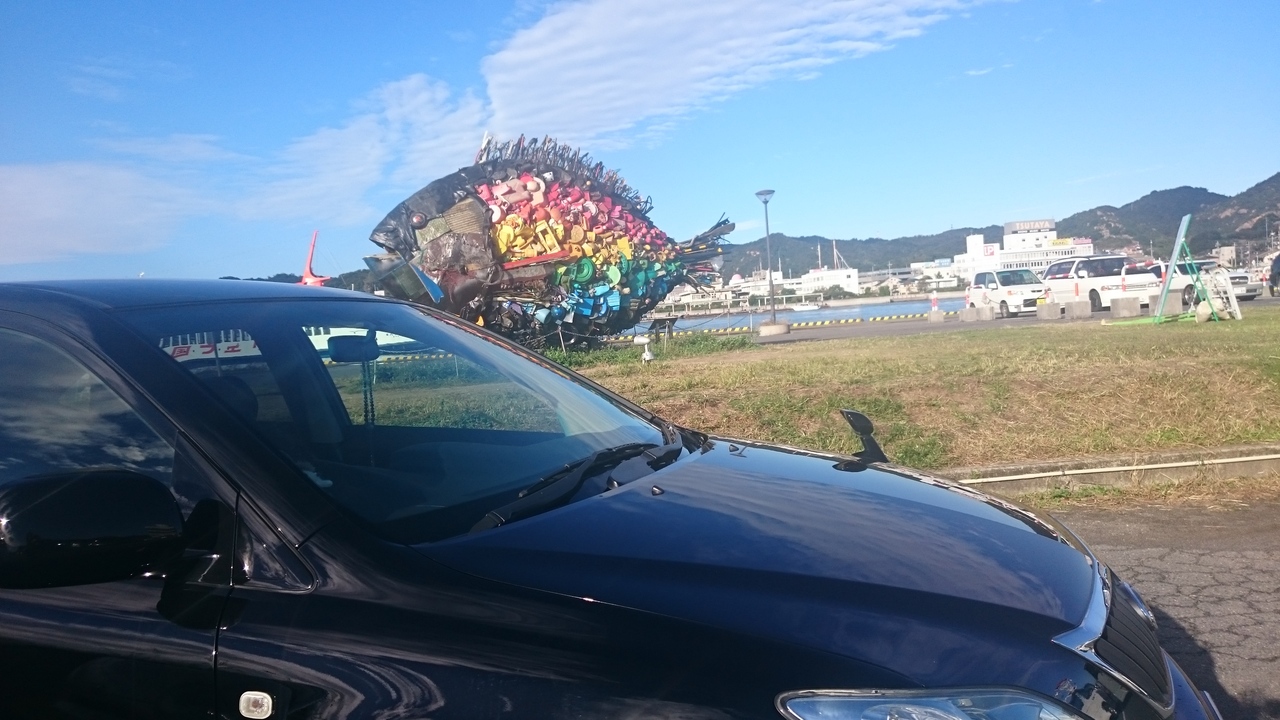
[(57, 416), (1057, 270), (1111, 267)]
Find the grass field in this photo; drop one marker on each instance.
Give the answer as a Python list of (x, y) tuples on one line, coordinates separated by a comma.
[(1012, 392)]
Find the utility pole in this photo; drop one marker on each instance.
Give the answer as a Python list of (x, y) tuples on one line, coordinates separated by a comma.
[(765, 196)]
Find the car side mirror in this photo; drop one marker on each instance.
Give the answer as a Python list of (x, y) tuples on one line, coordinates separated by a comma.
[(85, 526), (1082, 273), (865, 430), (992, 286)]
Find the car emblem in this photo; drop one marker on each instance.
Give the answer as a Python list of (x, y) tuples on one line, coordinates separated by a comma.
[(1138, 604)]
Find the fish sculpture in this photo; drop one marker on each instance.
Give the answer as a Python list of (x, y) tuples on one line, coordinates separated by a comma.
[(538, 243)]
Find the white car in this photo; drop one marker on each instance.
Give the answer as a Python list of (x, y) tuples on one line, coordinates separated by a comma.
[(1182, 284), (1009, 292), (1100, 279)]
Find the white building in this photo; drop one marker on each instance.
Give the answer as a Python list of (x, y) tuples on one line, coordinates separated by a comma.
[(942, 267), (758, 284), (1029, 244), (816, 281), (978, 256)]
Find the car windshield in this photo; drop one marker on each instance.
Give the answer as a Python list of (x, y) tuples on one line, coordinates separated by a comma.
[(1017, 277), (415, 423)]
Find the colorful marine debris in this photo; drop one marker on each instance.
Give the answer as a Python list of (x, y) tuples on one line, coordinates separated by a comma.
[(539, 244)]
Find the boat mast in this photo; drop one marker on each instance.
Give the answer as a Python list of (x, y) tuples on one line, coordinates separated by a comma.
[(839, 260)]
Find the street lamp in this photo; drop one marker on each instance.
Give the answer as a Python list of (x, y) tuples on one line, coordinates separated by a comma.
[(765, 196)]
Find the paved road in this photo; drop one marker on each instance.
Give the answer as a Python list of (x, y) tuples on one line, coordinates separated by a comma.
[(917, 327), (1212, 577)]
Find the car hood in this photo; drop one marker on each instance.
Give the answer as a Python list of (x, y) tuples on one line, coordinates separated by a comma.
[(807, 548)]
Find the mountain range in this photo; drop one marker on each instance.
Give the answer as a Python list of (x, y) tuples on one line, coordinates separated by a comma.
[(1149, 223)]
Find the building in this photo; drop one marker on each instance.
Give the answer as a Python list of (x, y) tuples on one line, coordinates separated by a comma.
[(758, 284), (940, 268), (1027, 244), (871, 282), (820, 279)]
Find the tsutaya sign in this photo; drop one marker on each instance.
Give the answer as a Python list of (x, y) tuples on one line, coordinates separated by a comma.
[(1028, 226)]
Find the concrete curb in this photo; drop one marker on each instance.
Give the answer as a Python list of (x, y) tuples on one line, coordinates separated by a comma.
[(1216, 463), (852, 321)]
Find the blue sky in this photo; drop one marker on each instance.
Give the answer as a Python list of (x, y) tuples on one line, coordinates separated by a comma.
[(200, 140)]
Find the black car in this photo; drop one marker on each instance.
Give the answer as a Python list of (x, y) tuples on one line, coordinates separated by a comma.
[(247, 500)]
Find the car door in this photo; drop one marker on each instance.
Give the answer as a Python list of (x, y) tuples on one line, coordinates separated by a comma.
[(80, 644), (1057, 280), (979, 294)]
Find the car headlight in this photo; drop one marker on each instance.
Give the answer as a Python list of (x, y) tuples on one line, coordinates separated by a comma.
[(951, 704)]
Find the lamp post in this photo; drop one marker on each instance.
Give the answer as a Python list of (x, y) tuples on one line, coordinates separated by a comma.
[(765, 196)]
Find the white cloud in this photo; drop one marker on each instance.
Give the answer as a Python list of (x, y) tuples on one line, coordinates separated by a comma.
[(64, 210), (408, 132), (986, 70), (601, 71), (176, 148), (105, 78)]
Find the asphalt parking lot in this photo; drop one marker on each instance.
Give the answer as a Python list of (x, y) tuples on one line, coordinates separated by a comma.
[(1212, 577)]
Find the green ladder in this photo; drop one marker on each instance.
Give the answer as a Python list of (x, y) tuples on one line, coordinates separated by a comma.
[(1182, 259)]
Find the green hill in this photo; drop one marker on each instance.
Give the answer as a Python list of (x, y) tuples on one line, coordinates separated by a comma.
[(800, 254), (1152, 218)]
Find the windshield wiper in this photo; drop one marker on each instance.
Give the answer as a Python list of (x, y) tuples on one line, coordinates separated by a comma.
[(556, 488)]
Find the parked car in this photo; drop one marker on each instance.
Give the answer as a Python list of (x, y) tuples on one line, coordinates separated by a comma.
[(1273, 277), (1244, 285), (207, 513), (1100, 279), (1009, 292), (1182, 285)]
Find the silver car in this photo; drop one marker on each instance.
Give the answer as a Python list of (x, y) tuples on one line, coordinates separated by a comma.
[(1244, 285)]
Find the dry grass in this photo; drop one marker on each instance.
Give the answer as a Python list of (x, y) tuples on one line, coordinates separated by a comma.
[(991, 396)]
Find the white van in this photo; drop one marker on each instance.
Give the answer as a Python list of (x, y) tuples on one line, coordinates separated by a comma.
[(1100, 279), (1009, 292)]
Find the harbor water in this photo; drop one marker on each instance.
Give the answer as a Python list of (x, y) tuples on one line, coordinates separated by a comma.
[(851, 312)]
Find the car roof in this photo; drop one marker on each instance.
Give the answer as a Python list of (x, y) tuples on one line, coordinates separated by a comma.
[(112, 294)]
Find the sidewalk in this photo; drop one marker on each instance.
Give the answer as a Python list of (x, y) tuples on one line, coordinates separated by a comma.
[(1221, 462)]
